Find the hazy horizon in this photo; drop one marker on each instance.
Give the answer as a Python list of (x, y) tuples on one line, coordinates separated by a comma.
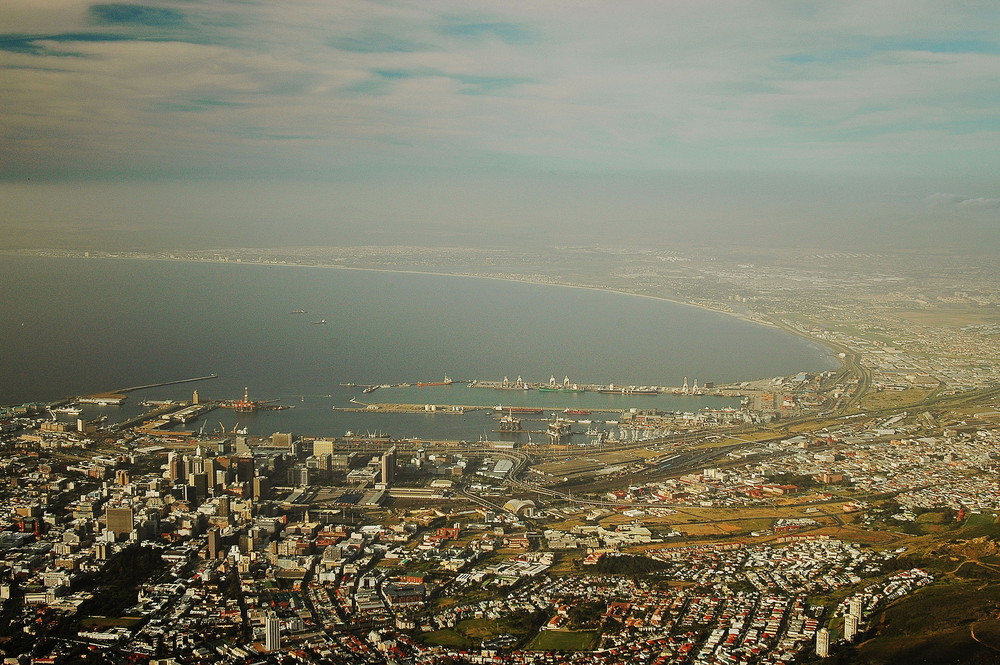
[(191, 124)]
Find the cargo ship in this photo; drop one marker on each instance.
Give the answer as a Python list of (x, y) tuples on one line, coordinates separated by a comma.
[(447, 382)]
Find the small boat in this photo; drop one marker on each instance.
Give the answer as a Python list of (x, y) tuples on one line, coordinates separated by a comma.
[(298, 311), (321, 322)]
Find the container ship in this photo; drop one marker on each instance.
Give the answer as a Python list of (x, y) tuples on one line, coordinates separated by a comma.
[(447, 382)]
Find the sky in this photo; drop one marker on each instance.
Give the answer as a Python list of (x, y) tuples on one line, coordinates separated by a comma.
[(190, 123)]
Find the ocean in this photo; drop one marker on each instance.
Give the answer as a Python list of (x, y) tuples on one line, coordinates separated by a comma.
[(80, 326)]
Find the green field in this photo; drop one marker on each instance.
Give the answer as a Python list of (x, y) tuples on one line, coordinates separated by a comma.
[(446, 638), (934, 626), (472, 632), (978, 525), (564, 640)]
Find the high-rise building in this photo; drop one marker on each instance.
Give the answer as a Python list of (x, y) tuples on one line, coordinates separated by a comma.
[(122, 477), (119, 520), (388, 467), (323, 447), (199, 481), (850, 627), (261, 488), (272, 632), (823, 643), (211, 470), (245, 469), (855, 606), (175, 466), (214, 543)]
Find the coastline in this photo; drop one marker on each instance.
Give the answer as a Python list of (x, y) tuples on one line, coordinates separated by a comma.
[(833, 351)]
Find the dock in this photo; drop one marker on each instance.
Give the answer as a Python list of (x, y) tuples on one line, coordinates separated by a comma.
[(455, 409), (362, 407), (166, 383)]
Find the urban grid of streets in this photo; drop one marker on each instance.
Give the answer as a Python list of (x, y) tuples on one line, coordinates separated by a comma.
[(707, 539)]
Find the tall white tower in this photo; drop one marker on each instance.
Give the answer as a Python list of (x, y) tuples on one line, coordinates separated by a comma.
[(272, 632), (854, 607), (850, 627), (822, 643)]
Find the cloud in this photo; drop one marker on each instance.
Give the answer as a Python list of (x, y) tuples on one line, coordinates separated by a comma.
[(375, 42), (941, 200), (44, 44), (510, 33), (128, 14), (979, 204), (560, 85)]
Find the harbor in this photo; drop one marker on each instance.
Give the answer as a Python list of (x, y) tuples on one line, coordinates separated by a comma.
[(446, 411), (565, 386)]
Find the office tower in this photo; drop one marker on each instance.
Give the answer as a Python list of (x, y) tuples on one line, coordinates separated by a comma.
[(199, 481), (175, 466), (119, 520), (245, 469), (388, 467), (272, 632), (211, 470), (214, 543), (323, 447), (261, 488)]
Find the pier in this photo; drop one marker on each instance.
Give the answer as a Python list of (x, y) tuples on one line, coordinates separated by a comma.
[(465, 408), (164, 383)]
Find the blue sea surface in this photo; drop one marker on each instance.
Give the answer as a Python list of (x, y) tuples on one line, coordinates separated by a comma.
[(81, 326)]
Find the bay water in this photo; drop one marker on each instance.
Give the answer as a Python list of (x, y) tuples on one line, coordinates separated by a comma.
[(74, 326)]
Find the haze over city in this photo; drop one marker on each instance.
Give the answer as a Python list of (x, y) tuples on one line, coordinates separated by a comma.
[(191, 124), (452, 332)]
